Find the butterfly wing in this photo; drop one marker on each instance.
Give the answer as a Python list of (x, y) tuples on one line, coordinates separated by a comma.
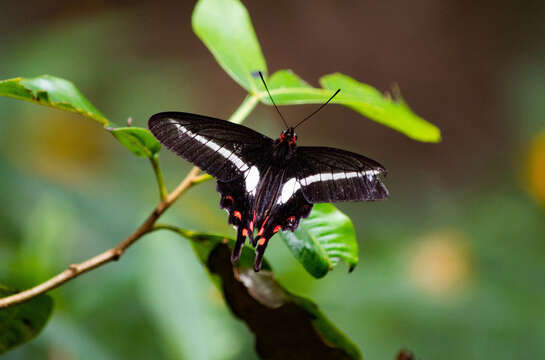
[(329, 175), (222, 149)]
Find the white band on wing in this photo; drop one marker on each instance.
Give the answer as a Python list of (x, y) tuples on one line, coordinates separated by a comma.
[(290, 187), (226, 153), (252, 179)]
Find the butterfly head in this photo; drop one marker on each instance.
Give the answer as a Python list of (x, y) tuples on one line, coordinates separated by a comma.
[(288, 136)]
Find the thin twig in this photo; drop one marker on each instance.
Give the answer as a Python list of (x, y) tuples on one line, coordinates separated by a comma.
[(163, 193), (114, 253)]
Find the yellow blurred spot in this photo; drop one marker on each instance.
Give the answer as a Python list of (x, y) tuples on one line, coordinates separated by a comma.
[(63, 147), (536, 168), (215, 295), (439, 263)]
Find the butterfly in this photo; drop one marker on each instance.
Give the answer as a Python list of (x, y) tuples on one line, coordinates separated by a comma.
[(267, 185)]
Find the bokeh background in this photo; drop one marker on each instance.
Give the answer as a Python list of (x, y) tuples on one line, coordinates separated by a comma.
[(451, 266)]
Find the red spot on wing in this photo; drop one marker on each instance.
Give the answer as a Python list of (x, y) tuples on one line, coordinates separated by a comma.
[(244, 232), (262, 227), (277, 229), (237, 214), (230, 198), (252, 223), (262, 241), (290, 220)]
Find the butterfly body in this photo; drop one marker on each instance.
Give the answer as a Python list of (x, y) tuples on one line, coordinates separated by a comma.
[(267, 185)]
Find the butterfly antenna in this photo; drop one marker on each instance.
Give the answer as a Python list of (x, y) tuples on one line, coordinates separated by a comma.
[(270, 97), (320, 108)]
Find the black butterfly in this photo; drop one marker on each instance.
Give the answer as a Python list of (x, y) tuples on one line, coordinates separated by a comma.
[(267, 185)]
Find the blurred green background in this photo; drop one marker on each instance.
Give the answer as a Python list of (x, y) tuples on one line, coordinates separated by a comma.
[(451, 266)]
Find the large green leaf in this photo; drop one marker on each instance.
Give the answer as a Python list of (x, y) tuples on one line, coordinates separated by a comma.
[(139, 141), (285, 325), (389, 111), (23, 322), (323, 239), (51, 91), (288, 89), (226, 29)]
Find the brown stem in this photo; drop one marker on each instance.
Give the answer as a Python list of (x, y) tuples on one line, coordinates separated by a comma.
[(114, 253)]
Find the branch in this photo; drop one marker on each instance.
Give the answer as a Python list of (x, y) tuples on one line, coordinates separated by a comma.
[(114, 253)]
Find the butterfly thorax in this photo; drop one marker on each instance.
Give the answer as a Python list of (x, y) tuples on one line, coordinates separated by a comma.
[(284, 147)]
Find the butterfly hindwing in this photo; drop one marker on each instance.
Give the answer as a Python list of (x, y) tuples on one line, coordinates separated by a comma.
[(329, 175), (222, 149)]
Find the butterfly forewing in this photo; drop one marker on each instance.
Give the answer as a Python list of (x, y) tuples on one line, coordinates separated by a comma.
[(222, 149), (328, 175)]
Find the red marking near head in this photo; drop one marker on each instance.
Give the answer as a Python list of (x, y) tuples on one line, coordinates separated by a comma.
[(262, 241), (277, 229), (244, 232), (229, 197), (237, 214), (290, 219), (282, 136), (292, 140)]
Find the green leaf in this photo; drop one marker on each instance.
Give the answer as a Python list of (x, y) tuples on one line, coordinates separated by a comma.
[(23, 322), (139, 141), (51, 91), (323, 239), (224, 26), (286, 79), (288, 89), (391, 112)]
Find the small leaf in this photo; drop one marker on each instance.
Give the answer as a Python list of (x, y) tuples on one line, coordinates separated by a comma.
[(288, 89), (224, 26), (322, 240), (139, 141), (23, 322), (51, 91)]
